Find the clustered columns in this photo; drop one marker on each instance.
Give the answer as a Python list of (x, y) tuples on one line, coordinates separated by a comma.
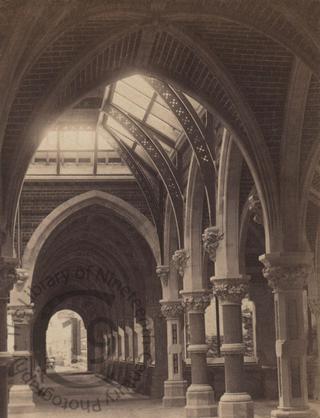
[(287, 275), (172, 310), (200, 395), (230, 291), (235, 402), (7, 280)]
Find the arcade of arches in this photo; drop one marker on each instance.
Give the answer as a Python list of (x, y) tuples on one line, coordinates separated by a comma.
[(160, 178)]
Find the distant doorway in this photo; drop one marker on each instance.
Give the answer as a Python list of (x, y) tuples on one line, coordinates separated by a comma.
[(66, 341)]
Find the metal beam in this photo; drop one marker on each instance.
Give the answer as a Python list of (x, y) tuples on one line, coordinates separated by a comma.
[(160, 159), (160, 136), (144, 183), (196, 134)]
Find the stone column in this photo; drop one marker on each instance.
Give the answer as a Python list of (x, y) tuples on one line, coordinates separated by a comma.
[(235, 402), (174, 386), (160, 371), (200, 395), (21, 395), (314, 305), (7, 279), (287, 274)]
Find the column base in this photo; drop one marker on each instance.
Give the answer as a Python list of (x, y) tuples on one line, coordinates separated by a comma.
[(236, 405), (20, 399), (174, 393), (200, 402), (293, 413)]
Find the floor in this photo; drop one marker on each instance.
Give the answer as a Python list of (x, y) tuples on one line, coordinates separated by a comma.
[(73, 395)]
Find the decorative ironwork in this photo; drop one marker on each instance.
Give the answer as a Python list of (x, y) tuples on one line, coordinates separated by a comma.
[(145, 185), (160, 159), (196, 134)]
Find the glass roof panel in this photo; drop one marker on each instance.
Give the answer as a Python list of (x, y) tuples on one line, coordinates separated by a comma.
[(140, 84), (132, 94), (128, 106), (163, 127)]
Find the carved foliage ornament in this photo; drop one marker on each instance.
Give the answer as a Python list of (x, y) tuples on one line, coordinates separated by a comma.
[(211, 239), (163, 274), (231, 290), (287, 277), (22, 277), (8, 275), (172, 309), (255, 208), (180, 259), (196, 302)]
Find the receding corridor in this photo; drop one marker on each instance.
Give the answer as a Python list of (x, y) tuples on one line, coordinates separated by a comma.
[(110, 400)]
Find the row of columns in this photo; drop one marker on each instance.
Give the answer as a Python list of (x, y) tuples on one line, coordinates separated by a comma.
[(287, 275)]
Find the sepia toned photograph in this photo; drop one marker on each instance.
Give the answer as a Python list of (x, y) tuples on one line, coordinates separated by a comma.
[(160, 208)]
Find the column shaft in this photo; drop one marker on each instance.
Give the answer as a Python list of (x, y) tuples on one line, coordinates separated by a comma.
[(7, 279), (175, 386), (200, 395), (235, 402), (287, 274)]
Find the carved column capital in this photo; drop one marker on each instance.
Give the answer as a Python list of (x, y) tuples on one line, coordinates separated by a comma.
[(196, 301), (230, 290), (171, 309), (180, 259), (287, 272), (211, 239), (8, 275), (287, 277), (255, 207), (163, 274)]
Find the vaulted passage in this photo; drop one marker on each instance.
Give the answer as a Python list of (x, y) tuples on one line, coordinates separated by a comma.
[(159, 208)]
